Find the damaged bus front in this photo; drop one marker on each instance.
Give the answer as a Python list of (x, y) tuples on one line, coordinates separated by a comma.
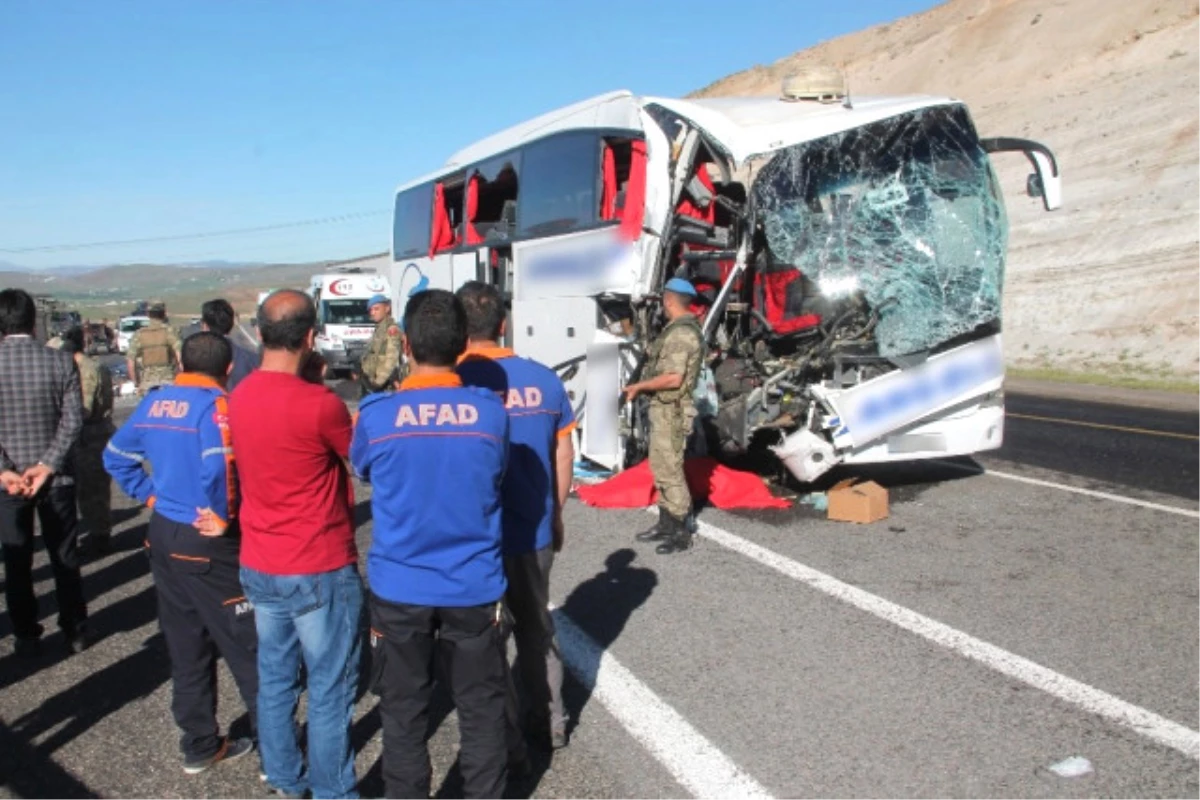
[(852, 307), (848, 255)]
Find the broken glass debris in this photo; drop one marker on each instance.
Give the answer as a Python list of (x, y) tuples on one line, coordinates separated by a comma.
[(906, 211)]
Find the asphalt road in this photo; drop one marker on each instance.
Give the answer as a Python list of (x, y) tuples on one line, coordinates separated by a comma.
[(1016, 610), (1147, 449)]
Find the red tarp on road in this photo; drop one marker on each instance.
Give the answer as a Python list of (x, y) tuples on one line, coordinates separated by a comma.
[(723, 487)]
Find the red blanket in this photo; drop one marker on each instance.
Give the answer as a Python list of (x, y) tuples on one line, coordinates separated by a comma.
[(723, 487)]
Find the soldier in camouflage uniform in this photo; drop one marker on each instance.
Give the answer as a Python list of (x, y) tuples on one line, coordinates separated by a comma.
[(93, 486), (157, 345), (381, 366), (672, 369)]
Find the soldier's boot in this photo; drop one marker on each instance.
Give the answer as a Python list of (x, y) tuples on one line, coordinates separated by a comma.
[(679, 538), (658, 531)]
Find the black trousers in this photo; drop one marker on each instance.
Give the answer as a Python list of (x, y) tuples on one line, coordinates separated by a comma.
[(469, 643), (55, 509), (202, 611)]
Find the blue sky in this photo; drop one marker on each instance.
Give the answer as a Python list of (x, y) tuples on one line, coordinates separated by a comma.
[(140, 119)]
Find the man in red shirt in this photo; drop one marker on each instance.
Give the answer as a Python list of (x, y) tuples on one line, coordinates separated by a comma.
[(291, 436)]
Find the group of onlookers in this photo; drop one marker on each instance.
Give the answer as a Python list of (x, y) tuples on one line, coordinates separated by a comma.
[(251, 536)]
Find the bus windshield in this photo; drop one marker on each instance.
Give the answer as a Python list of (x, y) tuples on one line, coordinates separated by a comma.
[(345, 312), (905, 210)]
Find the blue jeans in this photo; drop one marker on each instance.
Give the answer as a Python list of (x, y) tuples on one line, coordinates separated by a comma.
[(318, 618)]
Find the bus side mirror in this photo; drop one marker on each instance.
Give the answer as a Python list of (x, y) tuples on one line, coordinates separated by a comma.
[(1045, 182)]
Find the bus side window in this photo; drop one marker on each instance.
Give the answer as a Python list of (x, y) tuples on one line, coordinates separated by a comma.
[(491, 204), (559, 184), (615, 165), (447, 229), (623, 184), (411, 223)]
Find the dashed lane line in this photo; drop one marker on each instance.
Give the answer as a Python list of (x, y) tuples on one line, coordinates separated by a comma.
[(1101, 426), (693, 761)]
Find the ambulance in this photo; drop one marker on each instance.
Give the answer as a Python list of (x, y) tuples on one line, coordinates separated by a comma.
[(344, 326)]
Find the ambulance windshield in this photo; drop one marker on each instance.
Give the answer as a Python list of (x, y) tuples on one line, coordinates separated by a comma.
[(345, 312)]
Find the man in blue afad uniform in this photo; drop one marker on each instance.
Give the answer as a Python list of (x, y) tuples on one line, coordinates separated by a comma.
[(540, 469), (181, 431), (435, 452)]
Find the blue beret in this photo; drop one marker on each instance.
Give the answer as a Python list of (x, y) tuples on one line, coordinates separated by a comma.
[(680, 286), (376, 299)]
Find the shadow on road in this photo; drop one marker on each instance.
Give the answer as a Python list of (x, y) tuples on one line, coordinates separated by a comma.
[(127, 614), (600, 607), (26, 772), (74, 711)]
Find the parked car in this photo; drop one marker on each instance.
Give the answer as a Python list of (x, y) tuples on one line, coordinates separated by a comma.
[(126, 327)]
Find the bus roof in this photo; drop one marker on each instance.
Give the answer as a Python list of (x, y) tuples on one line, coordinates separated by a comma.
[(744, 126), (750, 126)]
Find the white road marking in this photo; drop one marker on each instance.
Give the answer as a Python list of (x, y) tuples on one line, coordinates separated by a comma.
[(1117, 498), (1090, 699), (692, 759), (1183, 512)]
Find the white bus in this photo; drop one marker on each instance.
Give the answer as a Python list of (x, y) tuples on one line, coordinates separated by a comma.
[(849, 254)]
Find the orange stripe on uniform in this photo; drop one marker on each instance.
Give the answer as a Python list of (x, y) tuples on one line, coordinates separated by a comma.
[(233, 600), (566, 429), (198, 559), (231, 488)]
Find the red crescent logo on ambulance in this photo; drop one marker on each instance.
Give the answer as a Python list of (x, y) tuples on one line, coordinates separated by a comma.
[(341, 287)]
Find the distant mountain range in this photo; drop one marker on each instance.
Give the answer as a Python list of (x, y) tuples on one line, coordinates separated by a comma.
[(83, 269), (105, 292)]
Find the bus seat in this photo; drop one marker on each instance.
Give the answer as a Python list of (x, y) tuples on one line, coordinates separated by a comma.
[(779, 299), (701, 189)]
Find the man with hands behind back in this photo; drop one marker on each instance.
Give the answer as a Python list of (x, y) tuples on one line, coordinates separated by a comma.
[(182, 431), (40, 420)]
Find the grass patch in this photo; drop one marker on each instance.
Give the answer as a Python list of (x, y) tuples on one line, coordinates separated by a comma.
[(1165, 384)]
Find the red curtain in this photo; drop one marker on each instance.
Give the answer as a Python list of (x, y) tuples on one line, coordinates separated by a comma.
[(473, 236), (608, 192), (634, 212), (442, 236)]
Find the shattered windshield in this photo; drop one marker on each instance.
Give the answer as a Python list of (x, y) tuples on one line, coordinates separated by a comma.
[(904, 210)]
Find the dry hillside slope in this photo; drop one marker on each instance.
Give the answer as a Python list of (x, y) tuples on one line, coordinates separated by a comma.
[(1109, 282)]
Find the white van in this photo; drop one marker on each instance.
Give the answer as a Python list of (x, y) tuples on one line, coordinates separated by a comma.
[(126, 327)]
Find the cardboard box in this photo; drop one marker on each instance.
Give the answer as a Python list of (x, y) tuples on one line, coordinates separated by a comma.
[(858, 502)]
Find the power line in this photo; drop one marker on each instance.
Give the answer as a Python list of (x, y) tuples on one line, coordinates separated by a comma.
[(58, 248)]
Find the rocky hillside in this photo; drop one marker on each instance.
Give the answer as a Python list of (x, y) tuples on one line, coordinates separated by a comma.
[(1109, 283)]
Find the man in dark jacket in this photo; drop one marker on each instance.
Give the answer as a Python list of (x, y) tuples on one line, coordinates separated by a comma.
[(40, 420)]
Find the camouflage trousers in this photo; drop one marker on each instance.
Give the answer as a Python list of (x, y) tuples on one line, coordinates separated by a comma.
[(154, 376), (93, 486), (669, 428)]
